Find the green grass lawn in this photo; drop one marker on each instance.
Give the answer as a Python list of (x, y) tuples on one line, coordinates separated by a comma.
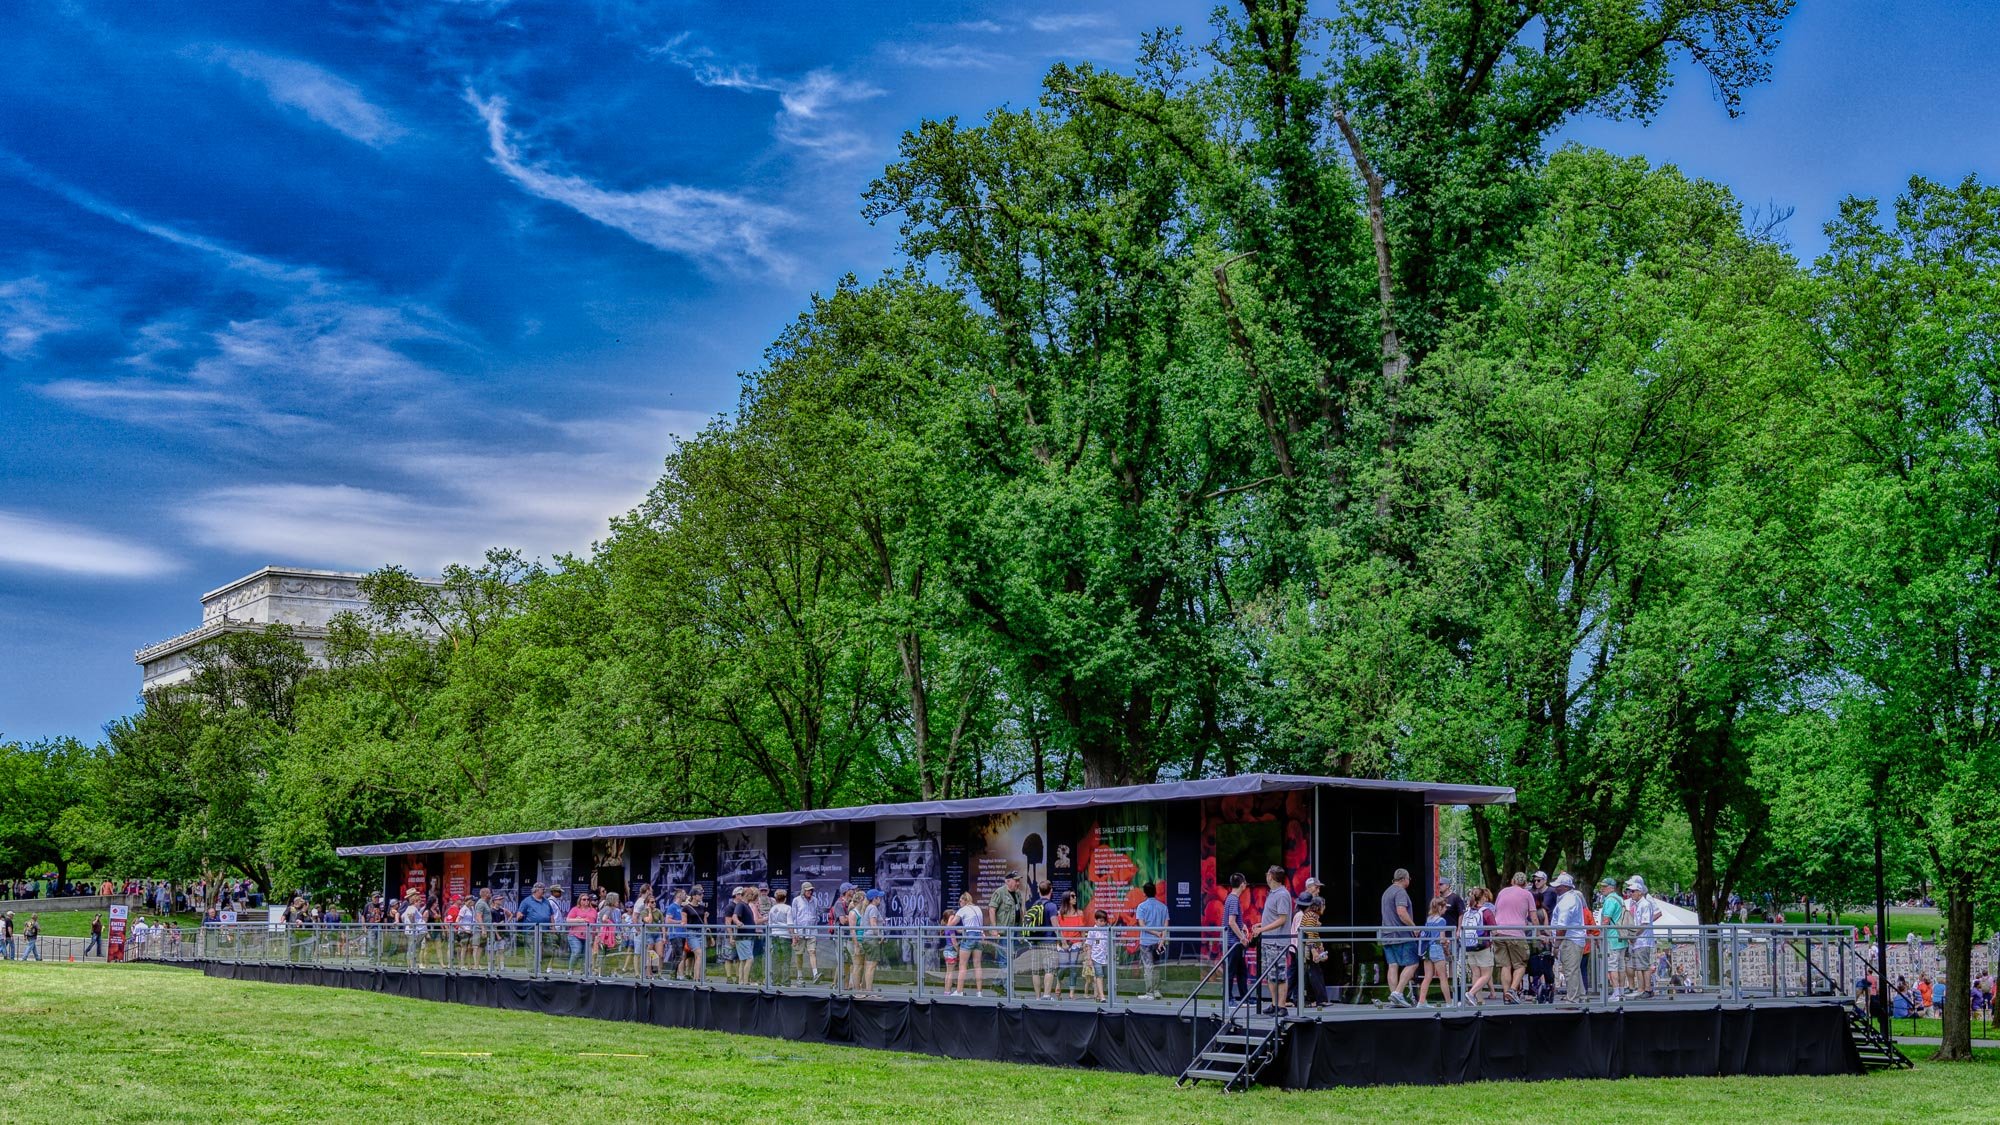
[(1901, 921), (76, 923), (1982, 1027), (155, 1043)]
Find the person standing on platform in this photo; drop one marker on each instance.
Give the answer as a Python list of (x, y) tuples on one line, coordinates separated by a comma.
[(970, 923), (761, 903), (1039, 919), (744, 931), (1475, 928), (675, 915), (696, 910), (1152, 918), (1612, 915), (1005, 903), (580, 918), (1070, 927), (1454, 906), (1640, 912), (1235, 941), (1312, 950), (1097, 946), (779, 921), (1272, 952), (535, 915), (1571, 933), (1513, 911), (1431, 944), (872, 943), (808, 915), (1399, 941)]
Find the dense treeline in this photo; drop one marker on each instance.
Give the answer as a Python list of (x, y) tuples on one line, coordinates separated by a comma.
[(1285, 404)]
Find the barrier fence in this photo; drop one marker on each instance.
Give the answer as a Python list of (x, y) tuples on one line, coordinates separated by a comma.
[(1115, 965)]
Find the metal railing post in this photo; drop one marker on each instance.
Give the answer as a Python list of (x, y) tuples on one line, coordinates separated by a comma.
[(1007, 959), (1111, 970)]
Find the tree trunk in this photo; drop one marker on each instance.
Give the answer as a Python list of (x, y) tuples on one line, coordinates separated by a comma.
[(910, 647), (1957, 1044)]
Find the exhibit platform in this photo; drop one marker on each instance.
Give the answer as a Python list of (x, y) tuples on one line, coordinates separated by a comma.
[(1344, 1045)]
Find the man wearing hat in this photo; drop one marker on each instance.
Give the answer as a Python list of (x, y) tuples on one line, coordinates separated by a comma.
[(1545, 898), (1005, 903), (808, 915), (1571, 933), (1611, 911), (1640, 914), (872, 944)]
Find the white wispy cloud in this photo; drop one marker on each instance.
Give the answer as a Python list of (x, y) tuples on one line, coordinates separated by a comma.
[(27, 314), (264, 268), (276, 373), (807, 105), (1067, 21), (313, 338), (945, 56), (460, 500), (35, 543), (983, 27), (317, 92), (713, 228)]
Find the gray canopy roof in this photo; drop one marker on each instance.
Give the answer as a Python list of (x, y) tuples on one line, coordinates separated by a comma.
[(1433, 793)]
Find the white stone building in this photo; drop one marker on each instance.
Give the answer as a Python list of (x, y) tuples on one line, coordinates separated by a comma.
[(304, 599)]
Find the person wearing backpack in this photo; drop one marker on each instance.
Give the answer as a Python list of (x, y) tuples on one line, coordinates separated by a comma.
[(1039, 923), (1475, 932)]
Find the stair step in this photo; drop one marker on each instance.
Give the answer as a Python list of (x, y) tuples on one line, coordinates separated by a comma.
[(1226, 1056), (1244, 1040), (1215, 1075)]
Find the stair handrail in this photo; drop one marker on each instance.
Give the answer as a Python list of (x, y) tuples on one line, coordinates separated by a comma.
[(1264, 967)]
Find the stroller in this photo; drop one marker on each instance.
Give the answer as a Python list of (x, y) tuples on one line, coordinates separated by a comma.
[(1540, 983)]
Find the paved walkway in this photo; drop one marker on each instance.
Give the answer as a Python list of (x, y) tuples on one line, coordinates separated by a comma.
[(1934, 1041)]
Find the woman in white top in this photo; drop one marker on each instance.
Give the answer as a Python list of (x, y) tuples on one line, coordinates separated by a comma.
[(970, 921)]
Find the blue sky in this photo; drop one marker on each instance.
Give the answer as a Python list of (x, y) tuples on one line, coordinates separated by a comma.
[(343, 284)]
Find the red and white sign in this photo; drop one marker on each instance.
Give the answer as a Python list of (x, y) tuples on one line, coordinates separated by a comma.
[(115, 950), (457, 876)]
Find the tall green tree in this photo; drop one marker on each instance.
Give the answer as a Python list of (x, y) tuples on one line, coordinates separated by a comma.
[(1581, 466), (1909, 530)]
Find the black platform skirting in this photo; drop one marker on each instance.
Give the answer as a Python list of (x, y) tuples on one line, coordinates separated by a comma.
[(1775, 1039)]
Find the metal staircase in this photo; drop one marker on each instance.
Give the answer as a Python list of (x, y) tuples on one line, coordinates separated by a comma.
[(1237, 1054), (1245, 1041), (1877, 1053)]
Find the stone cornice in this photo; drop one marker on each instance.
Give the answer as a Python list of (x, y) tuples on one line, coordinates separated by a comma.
[(213, 629)]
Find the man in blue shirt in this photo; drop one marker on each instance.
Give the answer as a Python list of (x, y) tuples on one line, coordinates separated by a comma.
[(1152, 918), (537, 915)]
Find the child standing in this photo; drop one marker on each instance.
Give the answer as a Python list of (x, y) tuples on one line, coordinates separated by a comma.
[(1431, 943), (1097, 943)]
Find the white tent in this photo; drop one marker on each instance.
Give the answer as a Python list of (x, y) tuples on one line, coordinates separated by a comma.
[(1671, 915)]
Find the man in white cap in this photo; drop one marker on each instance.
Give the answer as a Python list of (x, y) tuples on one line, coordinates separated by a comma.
[(1571, 932), (1640, 914)]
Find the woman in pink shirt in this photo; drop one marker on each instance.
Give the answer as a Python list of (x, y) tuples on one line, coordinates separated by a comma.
[(580, 918)]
